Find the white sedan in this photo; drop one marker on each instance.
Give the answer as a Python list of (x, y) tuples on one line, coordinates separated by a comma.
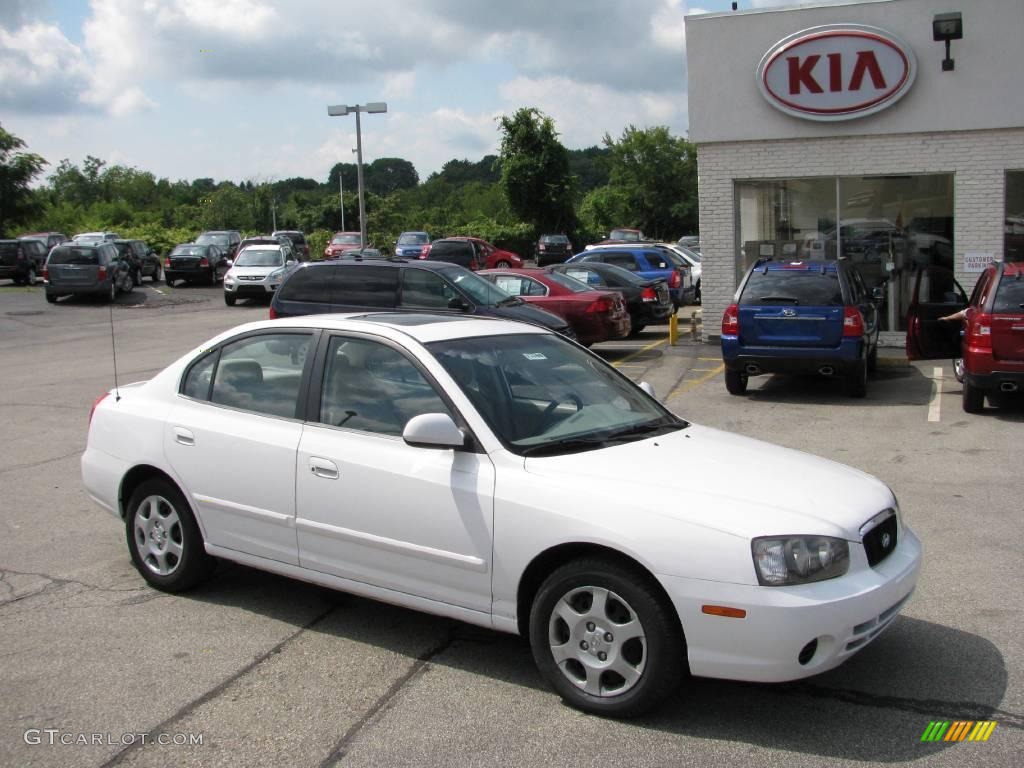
[(496, 473)]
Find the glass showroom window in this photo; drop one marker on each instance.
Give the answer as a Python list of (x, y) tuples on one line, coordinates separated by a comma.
[(888, 225), (1014, 244)]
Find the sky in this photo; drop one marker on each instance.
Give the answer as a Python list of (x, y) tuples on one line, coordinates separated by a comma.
[(239, 89)]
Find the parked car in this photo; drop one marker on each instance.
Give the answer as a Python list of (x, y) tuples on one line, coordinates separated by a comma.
[(801, 317), (595, 315), (22, 260), (359, 254), (620, 236), (647, 301), (471, 253), (276, 239), (692, 259), (195, 263), (411, 286), (648, 262), (143, 260), (257, 271), (409, 245), (228, 240), (992, 343), (86, 269), (49, 238), (689, 241), (552, 249), (341, 242), (96, 237), (498, 474), (298, 240)]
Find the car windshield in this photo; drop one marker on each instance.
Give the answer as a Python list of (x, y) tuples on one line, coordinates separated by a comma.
[(479, 290), (188, 250), (260, 257), (1009, 294), (544, 396), (624, 234), (413, 238), (568, 281), (72, 255), (345, 239), (89, 239), (554, 239), (215, 239), (690, 252), (812, 287), (296, 237)]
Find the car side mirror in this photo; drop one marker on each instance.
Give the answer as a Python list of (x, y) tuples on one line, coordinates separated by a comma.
[(289, 263), (231, 262), (648, 389), (433, 430), (457, 302)]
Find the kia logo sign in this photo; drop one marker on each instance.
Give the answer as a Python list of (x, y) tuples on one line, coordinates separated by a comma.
[(836, 72)]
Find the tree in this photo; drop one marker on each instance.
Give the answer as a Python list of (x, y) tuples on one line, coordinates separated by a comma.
[(657, 173), (387, 175), (535, 171), (18, 202)]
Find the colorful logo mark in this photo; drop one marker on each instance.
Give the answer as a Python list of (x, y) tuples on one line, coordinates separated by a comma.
[(959, 730)]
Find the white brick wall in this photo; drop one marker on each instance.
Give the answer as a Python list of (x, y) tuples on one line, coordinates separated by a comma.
[(977, 159)]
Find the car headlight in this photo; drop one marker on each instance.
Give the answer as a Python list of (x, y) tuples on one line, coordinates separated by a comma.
[(229, 279), (276, 274), (785, 560)]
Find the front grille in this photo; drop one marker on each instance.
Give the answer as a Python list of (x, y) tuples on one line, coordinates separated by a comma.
[(880, 541), (251, 278)]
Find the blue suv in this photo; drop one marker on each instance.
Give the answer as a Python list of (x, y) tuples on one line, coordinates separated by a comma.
[(409, 245), (801, 317), (650, 263)]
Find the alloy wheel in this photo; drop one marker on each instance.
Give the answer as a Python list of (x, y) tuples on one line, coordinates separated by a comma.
[(158, 535)]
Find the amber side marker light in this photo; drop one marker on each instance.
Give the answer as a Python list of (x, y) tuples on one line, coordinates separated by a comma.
[(723, 610)]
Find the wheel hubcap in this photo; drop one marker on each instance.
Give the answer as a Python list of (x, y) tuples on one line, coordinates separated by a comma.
[(158, 535), (597, 641)]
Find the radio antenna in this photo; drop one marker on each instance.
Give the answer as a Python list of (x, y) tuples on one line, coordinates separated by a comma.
[(113, 349)]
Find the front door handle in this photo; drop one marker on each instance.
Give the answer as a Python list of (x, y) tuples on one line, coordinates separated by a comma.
[(323, 468), (184, 436)]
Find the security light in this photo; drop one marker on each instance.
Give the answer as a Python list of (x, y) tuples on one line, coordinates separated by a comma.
[(946, 27)]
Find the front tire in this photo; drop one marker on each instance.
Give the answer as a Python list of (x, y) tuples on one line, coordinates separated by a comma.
[(229, 299), (736, 381), (973, 398), (157, 274), (503, 264), (605, 638), (163, 538)]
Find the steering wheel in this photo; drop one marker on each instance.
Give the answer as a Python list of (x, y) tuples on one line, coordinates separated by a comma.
[(550, 409)]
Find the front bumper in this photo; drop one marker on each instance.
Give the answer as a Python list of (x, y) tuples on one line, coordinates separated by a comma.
[(251, 290), (843, 614)]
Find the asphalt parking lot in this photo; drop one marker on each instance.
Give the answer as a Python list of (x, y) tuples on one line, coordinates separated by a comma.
[(268, 671)]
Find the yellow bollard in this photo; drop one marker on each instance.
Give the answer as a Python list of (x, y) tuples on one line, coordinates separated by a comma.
[(673, 330), (693, 325)]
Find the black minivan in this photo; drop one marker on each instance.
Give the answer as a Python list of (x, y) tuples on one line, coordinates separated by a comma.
[(415, 286)]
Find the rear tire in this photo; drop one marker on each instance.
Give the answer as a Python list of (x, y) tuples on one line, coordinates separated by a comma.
[(857, 384), (574, 620), (973, 398), (31, 278), (636, 330), (51, 298), (157, 274), (873, 359), (736, 381), (163, 538)]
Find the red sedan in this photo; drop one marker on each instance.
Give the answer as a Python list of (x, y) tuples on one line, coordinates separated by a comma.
[(594, 315)]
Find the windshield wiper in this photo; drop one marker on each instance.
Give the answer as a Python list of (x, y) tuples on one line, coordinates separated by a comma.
[(565, 445), (779, 298), (508, 301), (641, 431)]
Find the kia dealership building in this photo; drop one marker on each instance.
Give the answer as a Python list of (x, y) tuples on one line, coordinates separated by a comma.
[(847, 131)]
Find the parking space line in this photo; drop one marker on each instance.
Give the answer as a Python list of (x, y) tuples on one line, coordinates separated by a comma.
[(934, 412), (646, 348), (686, 386)]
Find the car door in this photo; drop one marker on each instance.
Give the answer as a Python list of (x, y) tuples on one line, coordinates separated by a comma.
[(865, 303), (372, 508), (232, 437), (936, 294)]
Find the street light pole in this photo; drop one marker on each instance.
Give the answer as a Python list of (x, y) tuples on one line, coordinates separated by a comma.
[(341, 197), (344, 109)]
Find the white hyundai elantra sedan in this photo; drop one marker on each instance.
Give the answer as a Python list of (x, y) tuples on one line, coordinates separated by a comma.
[(496, 473)]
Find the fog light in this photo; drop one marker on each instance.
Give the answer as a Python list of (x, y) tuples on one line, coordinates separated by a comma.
[(807, 652)]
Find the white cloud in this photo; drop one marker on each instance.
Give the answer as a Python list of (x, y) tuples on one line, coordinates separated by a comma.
[(41, 71)]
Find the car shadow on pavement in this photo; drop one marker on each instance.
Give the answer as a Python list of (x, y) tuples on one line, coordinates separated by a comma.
[(873, 708), (904, 385)]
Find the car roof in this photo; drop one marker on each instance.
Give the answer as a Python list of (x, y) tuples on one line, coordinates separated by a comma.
[(263, 247), (424, 327)]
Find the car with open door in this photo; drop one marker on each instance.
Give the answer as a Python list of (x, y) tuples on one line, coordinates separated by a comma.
[(989, 340)]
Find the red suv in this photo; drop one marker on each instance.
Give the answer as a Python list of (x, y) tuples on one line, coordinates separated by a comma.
[(992, 342)]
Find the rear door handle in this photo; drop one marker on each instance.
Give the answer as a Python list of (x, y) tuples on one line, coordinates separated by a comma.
[(184, 436), (323, 468)]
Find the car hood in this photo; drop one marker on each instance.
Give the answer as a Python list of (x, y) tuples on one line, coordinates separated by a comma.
[(251, 271), (725, 482)]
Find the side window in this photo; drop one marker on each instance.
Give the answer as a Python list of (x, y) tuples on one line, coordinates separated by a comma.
[(197, 380), (980, 291), (422, 288), (624, 260), (588, 276), (262, 373), (858, 292), (372, 387), (310, 285), (518, 285)]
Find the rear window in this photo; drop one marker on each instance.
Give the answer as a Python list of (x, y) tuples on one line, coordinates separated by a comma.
[(70, 255), (555, 240), (796, 287), (296, 237), (454, 252), (1009, 295), (215, 239), (188, 250), (570, 282)]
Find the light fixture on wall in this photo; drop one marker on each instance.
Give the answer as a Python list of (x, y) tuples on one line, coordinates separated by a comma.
[(946, 27)]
